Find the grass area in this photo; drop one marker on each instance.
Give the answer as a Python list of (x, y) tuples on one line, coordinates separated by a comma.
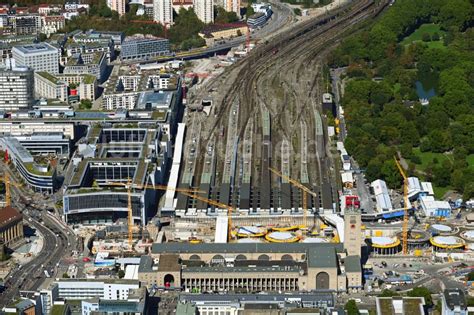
[(427, 158), (470, 161), (440, 191), (438, 44), (385, 306), (424, 28)]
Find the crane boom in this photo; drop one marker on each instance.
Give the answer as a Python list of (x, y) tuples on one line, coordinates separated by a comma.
[(303, 188), (293, 182), (156, 187), (129, 187), (217, 204), (405, 208), (8, 193)]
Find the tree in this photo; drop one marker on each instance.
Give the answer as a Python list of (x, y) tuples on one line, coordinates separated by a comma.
[(65, 275), (456, 14), (406, 151), (297, 11), (426, 37), (470, 276), (415, 159), (468, 191), (249, 11), (422, 292), (121, 274), (223, 16), (391, 174), (85, 104), (435, 37), (351, 308), (186, 29), (388, 293), (42, 37)]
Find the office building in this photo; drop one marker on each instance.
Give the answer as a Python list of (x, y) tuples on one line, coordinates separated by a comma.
[(232, 6), (16, 88), (39, 57), (163, 12), (204, 10), (108, 289), (24, 128), (93, 36), (92, 64), (453, 302), (117, 6), (46, 143), (11, 226), (116, 155), (144, 48), (39, 175), (257, 304), (247, 267), (50, 87), (135, 303), (256, 20)]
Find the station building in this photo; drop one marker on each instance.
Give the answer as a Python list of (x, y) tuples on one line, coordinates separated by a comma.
[(250, 267), (11, 226)]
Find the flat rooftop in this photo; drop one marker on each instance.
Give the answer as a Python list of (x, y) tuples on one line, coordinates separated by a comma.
[(36, 48), (163, 248), (154, 100)]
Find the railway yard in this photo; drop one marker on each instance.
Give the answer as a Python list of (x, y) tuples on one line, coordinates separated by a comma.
[(266, 113)]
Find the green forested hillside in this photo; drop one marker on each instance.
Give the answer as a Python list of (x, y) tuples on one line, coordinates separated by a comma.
[(385, 116)]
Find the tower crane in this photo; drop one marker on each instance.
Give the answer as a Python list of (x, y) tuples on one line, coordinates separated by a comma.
[(7, 181), (303, 188), (129, 187), (405, 208)]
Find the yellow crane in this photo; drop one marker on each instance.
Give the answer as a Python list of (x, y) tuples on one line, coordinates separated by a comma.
[(405, 206), (7, 181), (129, 187), (303, 188)]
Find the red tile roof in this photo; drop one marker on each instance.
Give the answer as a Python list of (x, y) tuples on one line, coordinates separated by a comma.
[(8, 215)]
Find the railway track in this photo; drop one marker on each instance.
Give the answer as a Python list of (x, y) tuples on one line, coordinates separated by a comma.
[(300, 53)]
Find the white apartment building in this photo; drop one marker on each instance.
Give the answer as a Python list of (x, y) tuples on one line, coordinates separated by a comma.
[(39, 57), (22, 128), (16, 88), (204, 10), (163, 12), (127, 100), (80, 289), (117, 5), (232, 6), (50, 87)]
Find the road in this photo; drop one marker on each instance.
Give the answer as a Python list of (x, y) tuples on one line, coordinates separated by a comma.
[(366, 203), (58, 241)]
